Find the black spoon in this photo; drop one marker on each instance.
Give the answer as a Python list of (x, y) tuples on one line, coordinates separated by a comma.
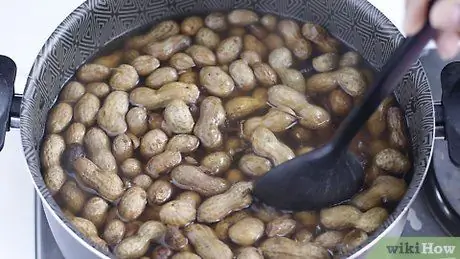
[(331, 174)]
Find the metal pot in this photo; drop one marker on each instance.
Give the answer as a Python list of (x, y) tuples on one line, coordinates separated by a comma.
[(95, 23)]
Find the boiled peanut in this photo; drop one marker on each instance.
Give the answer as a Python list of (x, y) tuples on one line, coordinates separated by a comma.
[(322, 82), (254, 166), (326, 62), (376, 124), (130, 54), (202, 55), (151, 99), (234, 176), (185, 255), (217, 162), (351, 81), (93, 73), (243, 106), (178, 117), (183, 143), (52, 149), (132, 228), (96, 210), (153, 143), (307, 218), (122, 147), (303, 236), (114, 231), (243, 75), (145, 64), (206, 244), (159, 32), (178, 213), (265, 74), (257, 30), (124, 78), (300, 134), (54, 178), (106, 183), (175, 239), (392, 161), (111, 116), (329, 239), (312, 116), (71, 153), (59, 118), (250, 57), (162, 163), (88, 229), (216, 81), (242, 17), (97, 144), (249, 253), (144, 181), (282, 247), (181, 61), (320, 37), (350, 59), (99, 89), (292, 78), (131, 167), (385, 187), (340, 217), (280, 227), (136, 119), (234, 145), (161, 76), (191, 77), (395, 121), (221, 228), (72, 92), (132, 203), (194, 179), (265, 144), (159, 192), (372, 219), (75, 133), (86, 109), (217, 207), (212, 116), (269, 21), (191, 25), (208, 38), (73, 196), (273, 41), (237, 31), (246, 231), (190, 196), (229, 49), (280, 58), (265, 213), (112, 60), (340, 102), (353, 239), (299, 46), (251, 43), (137, 245), (163, 50)]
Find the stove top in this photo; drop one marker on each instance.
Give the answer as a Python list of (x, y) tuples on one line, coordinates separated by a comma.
[(429, 215)]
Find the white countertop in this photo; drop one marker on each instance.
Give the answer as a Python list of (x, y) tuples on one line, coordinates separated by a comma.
[(24, 27)]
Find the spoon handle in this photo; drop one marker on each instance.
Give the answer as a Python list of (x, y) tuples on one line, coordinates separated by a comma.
[(385, 83)]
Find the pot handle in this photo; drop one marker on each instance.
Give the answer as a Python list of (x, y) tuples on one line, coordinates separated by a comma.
[(447, 113), (9, 106)]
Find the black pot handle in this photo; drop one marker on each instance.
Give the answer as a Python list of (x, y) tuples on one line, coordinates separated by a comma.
[(447, 113), (9, 103)]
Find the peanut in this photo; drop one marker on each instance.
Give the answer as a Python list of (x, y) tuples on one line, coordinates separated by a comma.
[(161, 76), (159, 32), (212, 116), (191, 25), (99, 89), (329, 239), (131, 167), (269, 21), (208, 38), (114, 232), (350, 59), (320, 37), (392, 161), (246, 231), (217, 162), (145, 64), (299, 46), (280, 58), (96, 210), (249, 253), (194, 179), (251, 43), (111, 116), (326, 62), (280, 227), (137, 245), (153, 143), (97, 144), (217, 207), (221, 228), (73, 196), (124, 78), (265, 144), (242, 17), (216, 81), (206, 244), (88, 229), (265, 74), (72, 92), (216, 21), (376, 124), (243, 75), (162, 163), (122, 147), (251, 57), (132, 203), (183, 143), (154, 99), (93, 73), (163, 50), (86, 109), (282, 247), (178, 117), (254, 166), (159, 192), (175, 239), (395, 121), (136, 118), (229, 49)]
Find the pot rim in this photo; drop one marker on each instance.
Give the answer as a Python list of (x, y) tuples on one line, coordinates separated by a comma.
[(413, 187)]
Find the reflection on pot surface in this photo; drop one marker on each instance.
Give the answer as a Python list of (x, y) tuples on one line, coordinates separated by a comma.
[(152, 148)]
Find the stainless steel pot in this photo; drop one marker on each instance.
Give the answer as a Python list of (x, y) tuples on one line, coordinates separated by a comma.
[(96, 22)]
